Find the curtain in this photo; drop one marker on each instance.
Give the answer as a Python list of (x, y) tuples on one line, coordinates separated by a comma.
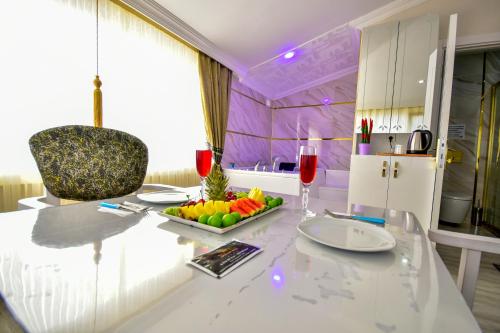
[(216, 93), (150, 85)]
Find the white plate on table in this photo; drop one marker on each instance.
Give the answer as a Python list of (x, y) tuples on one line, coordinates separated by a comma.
[(163, 197), (347, 234)]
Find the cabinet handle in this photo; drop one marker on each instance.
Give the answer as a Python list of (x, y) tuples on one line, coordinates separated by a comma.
[(384, 168), (396, 165)]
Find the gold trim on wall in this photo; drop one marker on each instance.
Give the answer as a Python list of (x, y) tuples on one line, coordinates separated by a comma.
[(250, 135), (290, 106), (288, 139), (310, 105), (248, 96)]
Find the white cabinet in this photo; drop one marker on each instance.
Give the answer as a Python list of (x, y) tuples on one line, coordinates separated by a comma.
[(396, 77), (417, 40), (377, 63), (368, 181), (394, 182)]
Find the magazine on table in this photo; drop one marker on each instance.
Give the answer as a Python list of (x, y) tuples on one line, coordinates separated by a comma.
[(225, 258)]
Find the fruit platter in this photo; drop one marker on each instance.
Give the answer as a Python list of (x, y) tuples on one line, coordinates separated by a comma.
[(221, 216)]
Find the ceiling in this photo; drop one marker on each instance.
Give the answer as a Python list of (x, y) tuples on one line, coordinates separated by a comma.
[(255, 33)]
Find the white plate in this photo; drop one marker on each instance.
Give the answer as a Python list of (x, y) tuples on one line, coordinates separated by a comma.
[(347, 234), (163, 197)]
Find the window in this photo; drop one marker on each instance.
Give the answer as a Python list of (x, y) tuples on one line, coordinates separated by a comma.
[(48, 62)]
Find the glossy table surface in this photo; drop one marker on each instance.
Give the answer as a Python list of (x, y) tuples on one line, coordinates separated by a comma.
[(75, 269)]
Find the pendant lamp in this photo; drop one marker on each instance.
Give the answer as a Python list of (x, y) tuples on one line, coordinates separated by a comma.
[(97, 81)]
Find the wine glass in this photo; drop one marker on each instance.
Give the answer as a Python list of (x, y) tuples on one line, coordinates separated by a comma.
[(203, 166), (308, 163)]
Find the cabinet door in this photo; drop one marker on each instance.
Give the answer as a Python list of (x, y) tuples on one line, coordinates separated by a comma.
[(417, 41), (411, 186), (368, 181), (377, 61)]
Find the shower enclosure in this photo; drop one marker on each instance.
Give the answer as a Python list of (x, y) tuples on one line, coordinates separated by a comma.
[(473, 168)]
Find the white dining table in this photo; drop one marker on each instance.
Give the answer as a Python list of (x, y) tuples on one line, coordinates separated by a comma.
[(77, 269)]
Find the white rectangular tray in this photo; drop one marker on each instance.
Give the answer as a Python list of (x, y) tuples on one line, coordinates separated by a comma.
[(215, 229)]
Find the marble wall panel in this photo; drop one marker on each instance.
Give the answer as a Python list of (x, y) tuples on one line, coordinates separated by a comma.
[(248, 112), (335, 155), (340, 90), (323, 121), (245, 151)]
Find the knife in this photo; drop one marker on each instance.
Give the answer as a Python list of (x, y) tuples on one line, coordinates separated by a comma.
[(375, 220), (118, 206)]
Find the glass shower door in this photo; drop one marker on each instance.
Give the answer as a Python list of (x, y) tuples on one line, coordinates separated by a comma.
[(491, 194)]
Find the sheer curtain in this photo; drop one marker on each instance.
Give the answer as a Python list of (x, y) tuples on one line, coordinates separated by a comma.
[(150, 86)]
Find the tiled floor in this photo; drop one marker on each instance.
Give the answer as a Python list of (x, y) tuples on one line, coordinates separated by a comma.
[(486, 307)]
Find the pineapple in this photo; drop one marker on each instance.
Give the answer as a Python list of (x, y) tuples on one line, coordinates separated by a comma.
[(216, 184)]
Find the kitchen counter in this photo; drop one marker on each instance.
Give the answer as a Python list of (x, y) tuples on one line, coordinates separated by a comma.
[(74, 269)]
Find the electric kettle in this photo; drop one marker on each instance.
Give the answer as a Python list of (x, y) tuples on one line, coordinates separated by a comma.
[(419, 142)]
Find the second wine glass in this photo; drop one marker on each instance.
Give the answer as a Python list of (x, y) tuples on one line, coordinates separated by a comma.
[(307, 165)]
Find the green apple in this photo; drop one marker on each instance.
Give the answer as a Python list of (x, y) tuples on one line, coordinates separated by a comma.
[(228, 220), (215, 221), (237, 216), (203, 218)]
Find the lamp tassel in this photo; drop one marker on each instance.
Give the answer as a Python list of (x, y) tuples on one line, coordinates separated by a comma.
[(97, 102)]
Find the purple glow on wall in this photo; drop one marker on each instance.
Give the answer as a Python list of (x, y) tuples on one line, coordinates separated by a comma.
[(326, 100)]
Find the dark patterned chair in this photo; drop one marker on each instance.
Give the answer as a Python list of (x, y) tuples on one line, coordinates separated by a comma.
[(87, 163)]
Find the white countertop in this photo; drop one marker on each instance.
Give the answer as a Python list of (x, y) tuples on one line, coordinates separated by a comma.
[(50, 280)]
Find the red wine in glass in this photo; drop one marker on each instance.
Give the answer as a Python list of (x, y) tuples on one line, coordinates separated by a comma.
[(308, 164), (203, 166), (203, 162)]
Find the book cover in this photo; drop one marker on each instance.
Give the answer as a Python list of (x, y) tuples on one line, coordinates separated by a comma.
[(225, 258)]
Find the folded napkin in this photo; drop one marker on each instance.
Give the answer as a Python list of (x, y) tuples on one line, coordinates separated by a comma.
[(136, 206)]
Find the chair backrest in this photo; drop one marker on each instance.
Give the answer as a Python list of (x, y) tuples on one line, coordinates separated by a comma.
[(472, 246), (88, 163)]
